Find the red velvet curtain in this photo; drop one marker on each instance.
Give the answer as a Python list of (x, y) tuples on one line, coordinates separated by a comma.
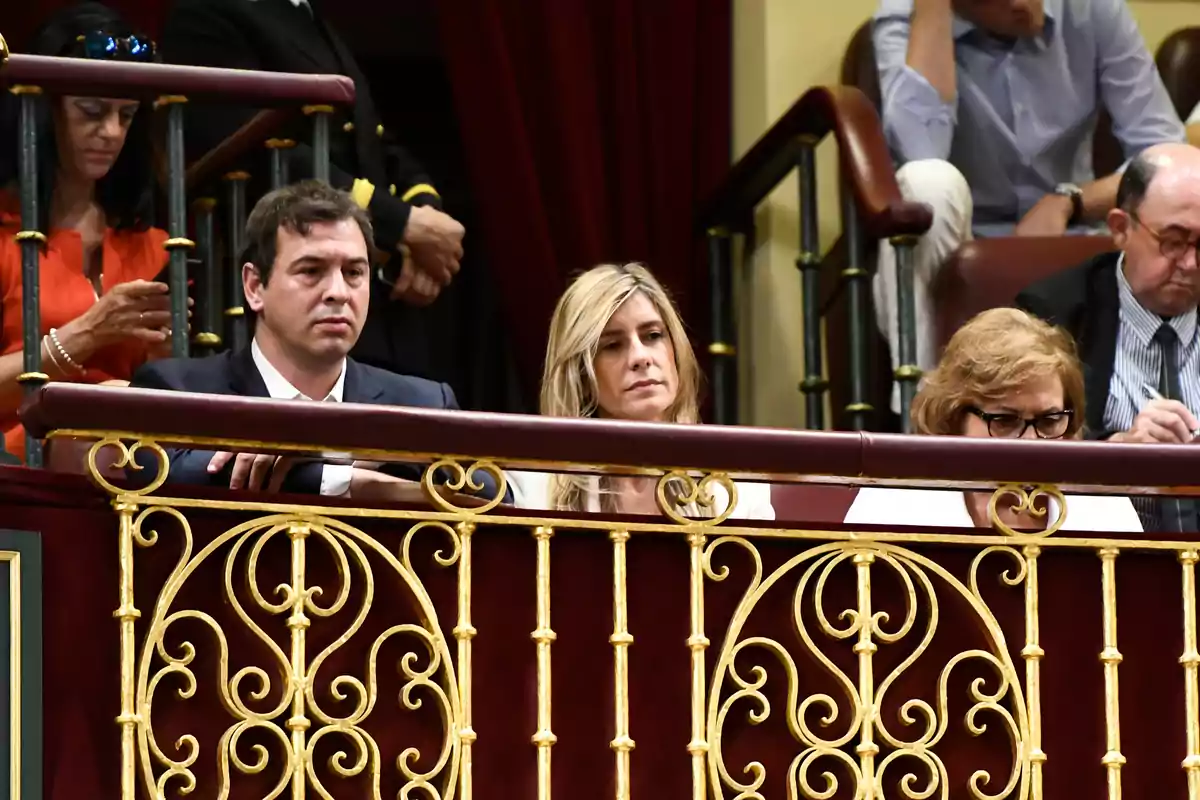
[(592, 129)]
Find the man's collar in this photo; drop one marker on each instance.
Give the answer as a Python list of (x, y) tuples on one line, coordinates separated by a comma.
[(1145, 323), (1053, 8), (279, 388)]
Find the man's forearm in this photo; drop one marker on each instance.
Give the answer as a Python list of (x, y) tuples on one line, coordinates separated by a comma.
[(1099, 197), (931, 45)]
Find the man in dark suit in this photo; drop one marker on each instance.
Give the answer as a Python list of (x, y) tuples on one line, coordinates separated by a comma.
[(292, 36), (307, 285), (1133, 312)]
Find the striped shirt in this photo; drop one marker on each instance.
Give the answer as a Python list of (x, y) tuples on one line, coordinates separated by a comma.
[(1139, 359)]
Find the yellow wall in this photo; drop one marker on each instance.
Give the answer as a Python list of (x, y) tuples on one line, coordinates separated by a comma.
[(781, 47)]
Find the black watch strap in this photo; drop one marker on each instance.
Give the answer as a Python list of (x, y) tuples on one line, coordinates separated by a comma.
[(1076, 196)]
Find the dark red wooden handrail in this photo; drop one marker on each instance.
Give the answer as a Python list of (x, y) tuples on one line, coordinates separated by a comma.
[(846, 113), (766, 453), (125, 79)]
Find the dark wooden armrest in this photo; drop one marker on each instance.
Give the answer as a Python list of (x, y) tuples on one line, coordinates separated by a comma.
[(246, 138), (125, 79), (845, 112)]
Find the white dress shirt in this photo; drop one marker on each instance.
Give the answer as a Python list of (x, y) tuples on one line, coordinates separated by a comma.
[(943, 508), (335, 478), (1139, 358), (1195, 117)]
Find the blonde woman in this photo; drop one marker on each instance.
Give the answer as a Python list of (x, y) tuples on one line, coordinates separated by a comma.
[(1005, 375), (618, 350)]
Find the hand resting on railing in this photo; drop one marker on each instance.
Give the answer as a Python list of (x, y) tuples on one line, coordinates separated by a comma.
[(306, 283)]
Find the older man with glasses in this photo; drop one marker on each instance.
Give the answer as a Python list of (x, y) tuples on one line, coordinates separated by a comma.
[(1133, 312)]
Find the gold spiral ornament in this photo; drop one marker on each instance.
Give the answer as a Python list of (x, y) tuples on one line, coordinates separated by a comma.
[(697, 495), (464, 479), (870, 714), (126, 461), (1026, 498), (3, 51)]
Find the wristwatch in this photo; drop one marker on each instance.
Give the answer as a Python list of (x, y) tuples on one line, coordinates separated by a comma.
[(1076, 194)]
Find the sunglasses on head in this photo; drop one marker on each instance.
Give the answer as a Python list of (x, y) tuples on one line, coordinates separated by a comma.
[(105, 46)]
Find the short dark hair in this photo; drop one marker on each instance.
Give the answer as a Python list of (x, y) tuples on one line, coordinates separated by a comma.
[(297, 208), (1135, 183)]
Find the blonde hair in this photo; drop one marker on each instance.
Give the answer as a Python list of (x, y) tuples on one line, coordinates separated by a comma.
[(997, 352), (569, 386)]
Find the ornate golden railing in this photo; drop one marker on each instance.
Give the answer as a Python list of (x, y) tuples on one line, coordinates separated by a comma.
[(304, 648)]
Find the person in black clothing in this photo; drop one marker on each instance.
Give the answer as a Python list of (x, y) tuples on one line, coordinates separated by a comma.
[(291, 36), (1133, 311)]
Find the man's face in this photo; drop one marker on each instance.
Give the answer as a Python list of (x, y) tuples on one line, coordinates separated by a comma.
[(1159, 240), (1012, 19), (315, 301)]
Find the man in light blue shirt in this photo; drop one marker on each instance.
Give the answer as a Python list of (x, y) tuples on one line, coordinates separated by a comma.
[(989, 106)]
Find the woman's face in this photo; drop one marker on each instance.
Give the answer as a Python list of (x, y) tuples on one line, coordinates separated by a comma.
[(635, 363), (1038, 404), (91, 132)]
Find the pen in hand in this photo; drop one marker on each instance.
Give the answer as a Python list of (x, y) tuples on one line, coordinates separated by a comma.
[(1156, 395)]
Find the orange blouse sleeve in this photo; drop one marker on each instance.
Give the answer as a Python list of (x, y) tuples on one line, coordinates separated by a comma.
[(10, 278)]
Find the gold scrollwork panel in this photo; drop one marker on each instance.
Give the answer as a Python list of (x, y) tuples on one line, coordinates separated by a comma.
[(276, 699), (859, 731)]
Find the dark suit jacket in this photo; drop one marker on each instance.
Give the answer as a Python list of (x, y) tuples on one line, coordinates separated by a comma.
[(276, 36), (1084, 301), (236, 374)]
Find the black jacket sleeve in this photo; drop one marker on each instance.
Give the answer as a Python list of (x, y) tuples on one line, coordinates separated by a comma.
[(204, 34), (414, 472), (189, 467)]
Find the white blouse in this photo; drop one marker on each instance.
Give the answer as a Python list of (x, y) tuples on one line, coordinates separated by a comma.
[(532, 490), (878, 505)]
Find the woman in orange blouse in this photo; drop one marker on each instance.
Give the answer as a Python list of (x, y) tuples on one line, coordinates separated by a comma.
[(102, 312)]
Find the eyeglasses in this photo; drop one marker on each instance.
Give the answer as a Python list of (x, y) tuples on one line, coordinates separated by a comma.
[(1173, 247), (104, 46), (1053, 425)]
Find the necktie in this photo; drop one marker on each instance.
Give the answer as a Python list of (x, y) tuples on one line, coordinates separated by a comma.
[(1178, 514), (1168, 371)]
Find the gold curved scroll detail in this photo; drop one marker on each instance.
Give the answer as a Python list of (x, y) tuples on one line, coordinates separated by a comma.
[(3, 51), (367, 753), (243, 693), (697, 494), (1026, 502), (921, 579), (938, 777), (229, 688), (126, 461), (799, 785), (750, 688), (999, 659), (926, 738), (228, 751), (826, 563), (464, 479), (340, 537)]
